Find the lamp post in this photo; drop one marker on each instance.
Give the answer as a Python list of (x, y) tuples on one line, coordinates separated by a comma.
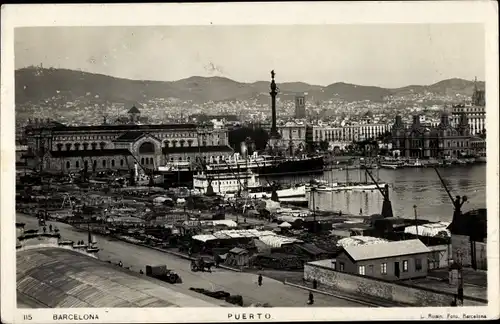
[(416, 225)]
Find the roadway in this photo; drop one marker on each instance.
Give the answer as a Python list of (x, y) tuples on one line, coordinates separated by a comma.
[(136, 257)]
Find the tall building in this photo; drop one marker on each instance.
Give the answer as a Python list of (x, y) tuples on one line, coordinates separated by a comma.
[(349, 133), (300, 106), (475, 111)]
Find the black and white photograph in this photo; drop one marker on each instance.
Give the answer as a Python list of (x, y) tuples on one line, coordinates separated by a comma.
[(249, 166)]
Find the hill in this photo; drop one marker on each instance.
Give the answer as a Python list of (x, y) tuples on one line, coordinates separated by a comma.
[(36, 84)]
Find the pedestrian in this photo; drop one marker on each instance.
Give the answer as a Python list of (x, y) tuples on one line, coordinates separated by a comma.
[(141, 272), (120, 264), (50, 227), (315, 284), (454, 302), (44, 229), (260, 280), (311, 298)]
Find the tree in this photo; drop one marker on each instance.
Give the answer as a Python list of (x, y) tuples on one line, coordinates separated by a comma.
[(291, 148), (385, 137), (257, 135), (324, 145)]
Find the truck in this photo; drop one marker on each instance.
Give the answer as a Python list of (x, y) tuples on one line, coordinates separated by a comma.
[(161, 272)]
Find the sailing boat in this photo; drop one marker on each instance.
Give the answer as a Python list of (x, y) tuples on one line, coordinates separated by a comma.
[(348, 185)]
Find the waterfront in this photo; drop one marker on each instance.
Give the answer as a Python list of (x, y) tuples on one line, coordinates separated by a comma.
[(408, 187), (137, 257)]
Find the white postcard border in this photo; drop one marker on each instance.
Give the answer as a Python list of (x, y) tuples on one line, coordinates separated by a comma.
[(484, 12)]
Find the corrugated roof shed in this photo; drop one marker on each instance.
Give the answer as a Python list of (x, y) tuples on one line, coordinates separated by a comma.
[(59, 278), (385, 250)]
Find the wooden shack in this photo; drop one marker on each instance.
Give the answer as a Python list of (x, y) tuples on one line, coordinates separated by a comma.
[(238, 257)]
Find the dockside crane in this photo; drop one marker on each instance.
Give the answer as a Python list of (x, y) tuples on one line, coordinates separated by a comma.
[(457, 214), (386, 205), (274, 193)]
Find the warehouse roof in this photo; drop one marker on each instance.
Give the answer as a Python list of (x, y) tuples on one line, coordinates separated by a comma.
[(62, 278), (385, 250)]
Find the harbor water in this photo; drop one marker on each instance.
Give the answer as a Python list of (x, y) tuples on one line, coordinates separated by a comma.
[(408, 187)]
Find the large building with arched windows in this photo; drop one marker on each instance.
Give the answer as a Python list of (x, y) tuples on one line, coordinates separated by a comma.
[(56, 147), (422, 141)]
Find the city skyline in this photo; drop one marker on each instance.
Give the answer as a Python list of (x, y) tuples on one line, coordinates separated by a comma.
[(412, 54)]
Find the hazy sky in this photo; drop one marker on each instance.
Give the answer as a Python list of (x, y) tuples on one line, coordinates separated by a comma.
[(381, 55)]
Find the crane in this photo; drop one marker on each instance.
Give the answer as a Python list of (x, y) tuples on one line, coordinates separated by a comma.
[(386, 205), (457, 215), (274, 194)]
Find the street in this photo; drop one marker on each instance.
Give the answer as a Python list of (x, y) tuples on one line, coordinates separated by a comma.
[(136, 257)]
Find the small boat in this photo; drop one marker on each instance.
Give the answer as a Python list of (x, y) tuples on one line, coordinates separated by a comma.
[(481, 158), (414, 164), (391, 166)]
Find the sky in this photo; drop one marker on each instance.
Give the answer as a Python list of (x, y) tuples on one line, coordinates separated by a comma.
[(380, 55)]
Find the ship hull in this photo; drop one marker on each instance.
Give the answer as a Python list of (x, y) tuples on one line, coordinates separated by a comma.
[(308, 166), (184, 178)]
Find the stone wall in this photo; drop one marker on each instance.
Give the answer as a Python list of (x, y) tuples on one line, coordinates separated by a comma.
[(481, 256), (391, 291)]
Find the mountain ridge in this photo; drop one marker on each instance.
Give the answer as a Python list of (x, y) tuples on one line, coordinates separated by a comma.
[(33, 84)]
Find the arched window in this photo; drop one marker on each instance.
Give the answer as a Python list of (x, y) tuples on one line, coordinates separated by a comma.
[(59, 146), (113, 163), (166, 144), (190, 143), (68, 146), (102, 145), (142, 160), (77, 164), (77, 146), (174, 143), (103, 163), (94, 146), (181, 142), (68, 164), (121, 162), (85, 146), (147, 148), (180, 158)]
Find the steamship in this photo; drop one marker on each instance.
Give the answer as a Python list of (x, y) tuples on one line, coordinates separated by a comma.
[(182, 173)]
